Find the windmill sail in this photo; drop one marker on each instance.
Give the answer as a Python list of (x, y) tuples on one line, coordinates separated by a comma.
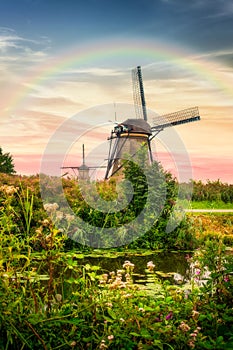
[(176, 118), (138, 94)]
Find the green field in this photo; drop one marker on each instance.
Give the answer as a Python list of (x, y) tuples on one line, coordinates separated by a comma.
[(210, 205)]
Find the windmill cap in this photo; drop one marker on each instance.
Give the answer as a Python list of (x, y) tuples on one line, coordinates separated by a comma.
[(83, 167), (138, 125)]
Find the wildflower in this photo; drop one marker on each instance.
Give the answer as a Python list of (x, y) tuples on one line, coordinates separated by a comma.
[(169, 315), (59, 215), (126, 296), (109, 304), (118, 280), (141, 309), (69, 217), (111, 337), (150, 266), (51, 207), (45, 222), (105, 276), (195, 314), (197, 272), (117, 283), (187, 292), (9, 190), (178, 278), (122, 320), (128, 265), (122, 285), (191, 344), (102, 282), (184, 327), (226, 279), (103, 345), (128, 278), (194, 334), (120, 272)]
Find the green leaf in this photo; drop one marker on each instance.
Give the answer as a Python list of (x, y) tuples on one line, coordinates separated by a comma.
[(112, 314), (135, 334), (145, 333)]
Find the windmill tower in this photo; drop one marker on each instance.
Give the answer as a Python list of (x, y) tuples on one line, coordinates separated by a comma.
[(128, 136), (83, 170)]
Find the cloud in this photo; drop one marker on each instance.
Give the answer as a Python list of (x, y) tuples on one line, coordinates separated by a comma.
[(30, 123), (208, 9), (17, 52), (9, 38), (223, 8), (218, 53), (95, 71), (50, 100)]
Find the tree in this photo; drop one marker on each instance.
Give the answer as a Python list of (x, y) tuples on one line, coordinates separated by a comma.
[(6, 163), (155, 192)]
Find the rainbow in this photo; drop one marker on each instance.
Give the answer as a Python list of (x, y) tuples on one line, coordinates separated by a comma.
[(133, 52)]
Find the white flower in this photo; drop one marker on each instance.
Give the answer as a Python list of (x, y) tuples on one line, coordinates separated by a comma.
[(128, 266), (59, 215), (150, 266), (69, 217), (51, 207)]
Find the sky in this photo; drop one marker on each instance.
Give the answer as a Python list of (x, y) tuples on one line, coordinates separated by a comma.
[(65, 78)]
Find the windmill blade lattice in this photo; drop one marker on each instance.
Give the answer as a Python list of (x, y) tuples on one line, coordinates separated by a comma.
[(138, 94), (176, 118)]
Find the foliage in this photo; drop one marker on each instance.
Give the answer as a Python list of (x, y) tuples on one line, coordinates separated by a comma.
[(50, 301), (211, 191), (6, 163), (212, 226), (146, 208), (214, 274)]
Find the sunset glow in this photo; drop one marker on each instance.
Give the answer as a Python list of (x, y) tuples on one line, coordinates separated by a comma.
[(59, 59)]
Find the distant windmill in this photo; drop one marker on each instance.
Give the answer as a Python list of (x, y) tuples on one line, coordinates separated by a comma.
[(83, 170), (128, 137)]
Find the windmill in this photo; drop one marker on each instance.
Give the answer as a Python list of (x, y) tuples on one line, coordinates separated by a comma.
[(128, 136), (83, 170)]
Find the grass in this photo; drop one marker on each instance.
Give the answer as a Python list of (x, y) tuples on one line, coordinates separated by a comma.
[(210, 205)]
